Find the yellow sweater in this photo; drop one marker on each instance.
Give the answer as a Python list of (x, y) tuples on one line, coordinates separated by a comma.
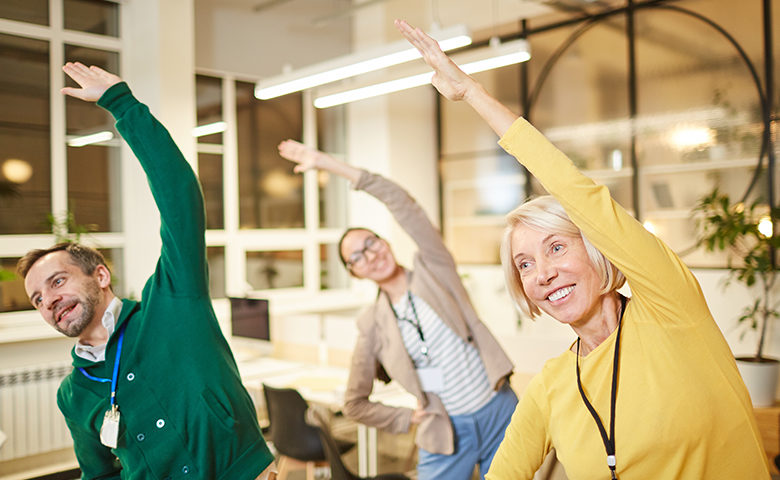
[(682, 410)]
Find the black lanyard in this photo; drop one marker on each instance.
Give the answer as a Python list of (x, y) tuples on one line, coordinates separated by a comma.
[(415, 323), (609, 441)]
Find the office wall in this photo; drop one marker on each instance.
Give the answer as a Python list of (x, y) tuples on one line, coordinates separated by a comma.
[(231, 37)]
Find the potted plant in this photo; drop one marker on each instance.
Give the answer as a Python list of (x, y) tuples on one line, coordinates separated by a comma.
[(745, 233)]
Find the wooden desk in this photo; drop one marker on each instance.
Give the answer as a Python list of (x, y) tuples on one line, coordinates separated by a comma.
[(768, 419)]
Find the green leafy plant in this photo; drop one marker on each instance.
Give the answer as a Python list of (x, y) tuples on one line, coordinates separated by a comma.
[(6, 275), (66, 229), (734, 228), (8, 189)]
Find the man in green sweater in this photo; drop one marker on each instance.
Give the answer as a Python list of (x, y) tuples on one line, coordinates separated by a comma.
[(155, 392)]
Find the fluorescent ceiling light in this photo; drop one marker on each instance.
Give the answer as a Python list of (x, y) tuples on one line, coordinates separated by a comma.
[(508, 53), (356, 64), (208, 129), (373, 90), (98, 137)]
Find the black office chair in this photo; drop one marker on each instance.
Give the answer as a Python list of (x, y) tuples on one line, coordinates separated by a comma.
[(317, 417), (294, 439), (70, 474)]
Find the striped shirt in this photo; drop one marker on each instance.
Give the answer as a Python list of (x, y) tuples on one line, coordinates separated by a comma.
[(466, 385)]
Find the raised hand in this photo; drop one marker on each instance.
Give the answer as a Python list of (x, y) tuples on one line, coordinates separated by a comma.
[(448, 78), (306, 158), (94, 81), (454, 84)]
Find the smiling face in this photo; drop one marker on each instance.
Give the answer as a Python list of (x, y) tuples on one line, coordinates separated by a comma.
[(557, 274), (379, 262), (67, 298)]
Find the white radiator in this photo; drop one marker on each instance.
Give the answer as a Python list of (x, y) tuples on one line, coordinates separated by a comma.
[(29, 416)]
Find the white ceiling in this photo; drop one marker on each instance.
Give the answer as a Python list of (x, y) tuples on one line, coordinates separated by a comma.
[(476, 14), (261, 37)]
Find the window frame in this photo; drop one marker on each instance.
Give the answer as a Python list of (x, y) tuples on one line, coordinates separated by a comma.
[(26, 324), (237, 241)]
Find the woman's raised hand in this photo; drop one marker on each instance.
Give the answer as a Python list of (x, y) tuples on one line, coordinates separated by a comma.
[(448, 78), (454, 84), (306, 158), (94, 81)]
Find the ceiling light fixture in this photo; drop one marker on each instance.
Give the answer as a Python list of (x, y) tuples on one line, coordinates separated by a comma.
[(494, 56), (356, 64), (209, 129), (84, 140)]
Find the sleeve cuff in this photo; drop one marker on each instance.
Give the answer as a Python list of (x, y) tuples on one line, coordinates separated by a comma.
[(512, 136), (365, 175), (117, 99)]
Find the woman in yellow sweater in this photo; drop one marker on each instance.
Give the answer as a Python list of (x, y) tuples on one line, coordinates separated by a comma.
[(650, 389)]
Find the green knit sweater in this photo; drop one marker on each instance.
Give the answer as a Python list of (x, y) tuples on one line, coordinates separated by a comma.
[(184, 410)]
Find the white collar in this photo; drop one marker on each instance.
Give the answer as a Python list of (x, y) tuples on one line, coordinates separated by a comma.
[(97, 353)]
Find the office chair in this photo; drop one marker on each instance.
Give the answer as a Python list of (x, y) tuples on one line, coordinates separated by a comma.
[(294, 439), (318, 417), (70, 474)]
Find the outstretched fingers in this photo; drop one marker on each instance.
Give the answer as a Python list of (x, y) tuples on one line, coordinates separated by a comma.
[(77, 71), (94, 81), (427, 46), (448, 78), (291, 150), (299, 153)]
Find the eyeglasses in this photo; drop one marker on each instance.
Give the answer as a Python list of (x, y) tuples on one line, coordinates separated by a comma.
[(358, 258)]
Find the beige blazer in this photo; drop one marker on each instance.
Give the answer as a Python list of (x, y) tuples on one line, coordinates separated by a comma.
[(436, 280)]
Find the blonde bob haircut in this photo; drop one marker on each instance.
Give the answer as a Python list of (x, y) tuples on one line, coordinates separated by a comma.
[(546, 214)]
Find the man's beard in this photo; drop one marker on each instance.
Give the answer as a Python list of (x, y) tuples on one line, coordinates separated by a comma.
[(89, 303)]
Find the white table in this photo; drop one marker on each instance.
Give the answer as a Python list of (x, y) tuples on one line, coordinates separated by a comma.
[(325, 385), (390, 394)]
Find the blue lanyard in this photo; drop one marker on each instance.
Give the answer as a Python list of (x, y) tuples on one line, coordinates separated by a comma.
[(116, 368)]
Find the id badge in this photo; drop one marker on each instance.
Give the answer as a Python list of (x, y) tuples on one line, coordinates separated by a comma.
[(431, 379), (109, 431)]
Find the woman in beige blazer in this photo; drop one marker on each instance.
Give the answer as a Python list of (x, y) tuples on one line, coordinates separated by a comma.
[(423, 331)]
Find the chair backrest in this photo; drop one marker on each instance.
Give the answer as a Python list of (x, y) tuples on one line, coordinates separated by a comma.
[(338, 471), (290, 434)]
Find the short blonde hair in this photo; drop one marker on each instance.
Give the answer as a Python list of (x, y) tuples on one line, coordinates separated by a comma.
[(546, 214)]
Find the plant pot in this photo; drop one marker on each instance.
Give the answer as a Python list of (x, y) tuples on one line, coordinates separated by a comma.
[(760, 377)]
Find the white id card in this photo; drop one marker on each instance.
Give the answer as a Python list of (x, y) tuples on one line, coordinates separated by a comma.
[(431, 379), (109, 432)]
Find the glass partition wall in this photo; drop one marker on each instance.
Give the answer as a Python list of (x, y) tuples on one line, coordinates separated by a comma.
[(657, 100)]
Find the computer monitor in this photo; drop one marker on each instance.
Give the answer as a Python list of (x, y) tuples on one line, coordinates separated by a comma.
[(250, 326)]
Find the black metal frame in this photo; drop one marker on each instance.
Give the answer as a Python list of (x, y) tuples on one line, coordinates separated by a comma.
[(765, 93)]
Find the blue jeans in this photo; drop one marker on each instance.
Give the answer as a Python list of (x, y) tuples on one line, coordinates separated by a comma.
[(477, 436)]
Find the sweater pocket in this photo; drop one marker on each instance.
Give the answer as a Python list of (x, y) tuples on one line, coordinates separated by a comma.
[(219, 410)]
